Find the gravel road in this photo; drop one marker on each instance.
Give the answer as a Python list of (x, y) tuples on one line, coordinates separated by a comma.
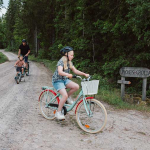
[(22, 127)]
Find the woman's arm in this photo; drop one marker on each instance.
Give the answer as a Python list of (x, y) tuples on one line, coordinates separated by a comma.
[(62, 73), (79, 72)]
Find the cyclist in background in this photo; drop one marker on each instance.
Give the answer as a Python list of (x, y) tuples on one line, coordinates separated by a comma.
[(24, 50), (20, 63), (60, 79)]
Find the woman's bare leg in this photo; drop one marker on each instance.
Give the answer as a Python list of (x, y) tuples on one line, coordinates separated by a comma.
[(73, 87), (64, 94)]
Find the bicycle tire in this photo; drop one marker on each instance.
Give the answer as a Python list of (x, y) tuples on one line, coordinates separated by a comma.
[(28, 68), (46, 110), (17, 79), (88, 126)]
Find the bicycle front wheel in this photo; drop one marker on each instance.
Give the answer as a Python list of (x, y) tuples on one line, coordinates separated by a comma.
[(48, 110), (17, 79), (95, 120)]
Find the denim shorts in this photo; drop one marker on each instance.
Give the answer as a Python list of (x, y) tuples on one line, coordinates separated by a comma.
[(25, 59), (60, 84)]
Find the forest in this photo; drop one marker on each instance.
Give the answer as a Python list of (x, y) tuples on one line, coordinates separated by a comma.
[(105, 34)]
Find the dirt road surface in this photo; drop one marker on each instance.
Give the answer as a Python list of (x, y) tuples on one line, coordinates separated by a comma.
[(22, 127)]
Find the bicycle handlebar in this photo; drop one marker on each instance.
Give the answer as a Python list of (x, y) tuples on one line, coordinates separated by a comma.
[(23, 57), (88, 79), (17, 66)]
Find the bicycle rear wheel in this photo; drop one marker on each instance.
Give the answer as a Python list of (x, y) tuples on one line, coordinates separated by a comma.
[(48, 111), (97, 118), (28, 68)]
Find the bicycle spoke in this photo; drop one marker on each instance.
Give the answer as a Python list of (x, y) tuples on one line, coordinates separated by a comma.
[(48, 111)]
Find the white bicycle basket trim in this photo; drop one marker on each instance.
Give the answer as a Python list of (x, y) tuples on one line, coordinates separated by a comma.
[(90, 87)]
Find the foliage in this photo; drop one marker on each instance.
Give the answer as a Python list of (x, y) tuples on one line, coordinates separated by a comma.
[(3, 58), (106, 92), (1, 2), (105, 34)]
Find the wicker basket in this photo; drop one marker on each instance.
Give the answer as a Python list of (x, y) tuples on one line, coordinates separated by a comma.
[(90, 87)]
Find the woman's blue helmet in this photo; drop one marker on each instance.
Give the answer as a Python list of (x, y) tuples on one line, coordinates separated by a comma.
[(65, 50)]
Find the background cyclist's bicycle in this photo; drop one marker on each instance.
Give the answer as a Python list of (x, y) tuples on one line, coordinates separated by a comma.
[(19, 75)]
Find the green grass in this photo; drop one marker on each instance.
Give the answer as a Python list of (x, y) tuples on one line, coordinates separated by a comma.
[(106, 94), (49, 64), (3, 58), (112, 97)]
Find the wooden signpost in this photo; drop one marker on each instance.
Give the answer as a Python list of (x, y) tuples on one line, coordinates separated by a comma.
[(135, 72)]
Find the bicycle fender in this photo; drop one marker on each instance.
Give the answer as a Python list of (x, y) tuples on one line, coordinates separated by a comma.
[(50, 91), (81, 102)]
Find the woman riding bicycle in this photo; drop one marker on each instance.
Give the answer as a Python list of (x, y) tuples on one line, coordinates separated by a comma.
[(60, 79)]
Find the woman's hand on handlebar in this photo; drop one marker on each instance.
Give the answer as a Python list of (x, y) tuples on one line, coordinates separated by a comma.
[(86, 75), (75, 76)]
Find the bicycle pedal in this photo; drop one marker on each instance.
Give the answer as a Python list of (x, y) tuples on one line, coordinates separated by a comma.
[(53, 105)]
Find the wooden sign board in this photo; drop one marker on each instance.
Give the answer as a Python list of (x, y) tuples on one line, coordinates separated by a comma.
[(134, 72)]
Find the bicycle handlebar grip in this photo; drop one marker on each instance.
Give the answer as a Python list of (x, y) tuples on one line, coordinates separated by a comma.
[(74, 76)]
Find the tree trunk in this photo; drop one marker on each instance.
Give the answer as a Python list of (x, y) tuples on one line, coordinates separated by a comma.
[(83, 24), (93, 48), (36, 42)]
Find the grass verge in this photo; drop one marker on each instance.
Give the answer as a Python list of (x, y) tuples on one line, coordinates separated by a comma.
[(49, 64), (3, 58), (108, 95)]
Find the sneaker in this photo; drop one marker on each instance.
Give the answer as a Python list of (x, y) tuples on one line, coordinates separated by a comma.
[(59, 115), (69, 101)]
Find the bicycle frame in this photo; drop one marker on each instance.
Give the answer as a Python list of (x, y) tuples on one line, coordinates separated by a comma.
[(71, 106), (19, 75)]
